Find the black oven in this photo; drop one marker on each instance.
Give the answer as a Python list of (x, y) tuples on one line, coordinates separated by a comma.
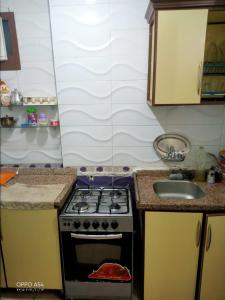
[(97, 266), (96, 231), (83, 253)]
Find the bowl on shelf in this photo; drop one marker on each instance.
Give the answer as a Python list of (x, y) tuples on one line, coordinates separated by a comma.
[(8, 121)]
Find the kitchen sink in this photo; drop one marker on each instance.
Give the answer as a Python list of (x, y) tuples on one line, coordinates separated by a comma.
[(178, 189)]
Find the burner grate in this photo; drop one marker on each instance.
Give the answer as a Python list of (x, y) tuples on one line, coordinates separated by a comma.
[(99, 201)]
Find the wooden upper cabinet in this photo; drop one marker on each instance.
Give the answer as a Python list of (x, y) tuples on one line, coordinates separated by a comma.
[(177, 55)]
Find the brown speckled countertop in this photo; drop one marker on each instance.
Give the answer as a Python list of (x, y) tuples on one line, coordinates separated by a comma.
[(213, 201), (46, 176)]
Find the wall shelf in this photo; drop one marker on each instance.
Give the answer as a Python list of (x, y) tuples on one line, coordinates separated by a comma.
[(26, 105), (38, 126)]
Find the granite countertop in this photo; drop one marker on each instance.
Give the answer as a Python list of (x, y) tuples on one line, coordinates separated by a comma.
[(146, 199), (65, 177)]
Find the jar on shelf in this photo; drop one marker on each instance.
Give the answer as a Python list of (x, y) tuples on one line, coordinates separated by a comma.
[(32, 117), (43, 119), (4, 94), (16, 97)]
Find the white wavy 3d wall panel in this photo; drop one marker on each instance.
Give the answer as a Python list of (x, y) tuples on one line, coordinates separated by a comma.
[(101, 57), (36, 78)]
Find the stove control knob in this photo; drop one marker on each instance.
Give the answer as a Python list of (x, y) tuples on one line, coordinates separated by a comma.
[(76, 224), (105, 225), (95, 224), (86, 224), (114, 224)]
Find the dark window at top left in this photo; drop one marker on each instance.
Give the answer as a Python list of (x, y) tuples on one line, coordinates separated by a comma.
[(9, 28)]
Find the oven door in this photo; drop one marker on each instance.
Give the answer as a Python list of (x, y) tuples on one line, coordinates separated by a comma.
[(97, 257)]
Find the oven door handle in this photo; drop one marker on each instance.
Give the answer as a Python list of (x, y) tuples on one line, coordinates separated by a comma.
[(97, 237)]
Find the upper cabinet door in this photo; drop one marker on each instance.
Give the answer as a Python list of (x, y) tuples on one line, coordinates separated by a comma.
[(179, 58), (213, 272)]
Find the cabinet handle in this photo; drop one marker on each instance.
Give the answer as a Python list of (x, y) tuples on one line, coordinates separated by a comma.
[(208, 238), (1, 237), (198, 234), (200, 71)]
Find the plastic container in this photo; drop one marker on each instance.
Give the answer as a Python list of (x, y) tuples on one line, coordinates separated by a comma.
[(43, 119), (32, 117), (201, 158), (211, 177)]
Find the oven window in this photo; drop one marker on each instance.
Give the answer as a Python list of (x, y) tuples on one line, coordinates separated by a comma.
[(83, 257), (96, 253)]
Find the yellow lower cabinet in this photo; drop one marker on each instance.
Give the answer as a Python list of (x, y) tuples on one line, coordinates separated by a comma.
[(2, 274), (213, 270), (171, 255), (30, 248)]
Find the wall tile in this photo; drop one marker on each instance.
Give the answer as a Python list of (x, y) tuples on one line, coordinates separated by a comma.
[(84, 92), (199, 134), (32, 25), (83, 69), (75, 115), (36, 72), (129, 67), (129, 41), (129, 91), (35, 50), (128, 15), (31, 156), (135, 156), (135, 136), (87, 156), (199, 115), (44, 89), (86, 136), (137, 114), (24, 6)]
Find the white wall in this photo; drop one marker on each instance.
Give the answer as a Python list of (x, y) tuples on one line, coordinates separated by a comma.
[(36, 78), (101, 53)]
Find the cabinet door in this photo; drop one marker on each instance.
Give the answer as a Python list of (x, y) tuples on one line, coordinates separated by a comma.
[(213, 272), (30, 247), (180, 55), (2, 274), (171, 255)]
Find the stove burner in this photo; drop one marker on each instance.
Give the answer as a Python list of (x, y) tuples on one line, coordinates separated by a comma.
[(114, 206), (81, 206), (88, 192), (115, 193)]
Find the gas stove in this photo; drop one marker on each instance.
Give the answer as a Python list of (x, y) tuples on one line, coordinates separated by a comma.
[(97, 209), (96, 229)]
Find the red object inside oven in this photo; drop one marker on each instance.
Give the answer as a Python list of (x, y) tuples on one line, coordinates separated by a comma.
[(111, 271)]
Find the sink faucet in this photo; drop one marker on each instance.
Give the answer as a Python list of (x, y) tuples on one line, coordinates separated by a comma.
[(174, 155), (180, 174)]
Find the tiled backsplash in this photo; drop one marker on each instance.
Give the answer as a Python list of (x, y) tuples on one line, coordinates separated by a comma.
[(100, 56)]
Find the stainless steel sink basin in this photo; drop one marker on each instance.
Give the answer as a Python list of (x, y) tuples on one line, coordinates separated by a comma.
[(178, 189)]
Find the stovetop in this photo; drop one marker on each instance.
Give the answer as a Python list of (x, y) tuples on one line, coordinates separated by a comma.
[(98, 201)]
